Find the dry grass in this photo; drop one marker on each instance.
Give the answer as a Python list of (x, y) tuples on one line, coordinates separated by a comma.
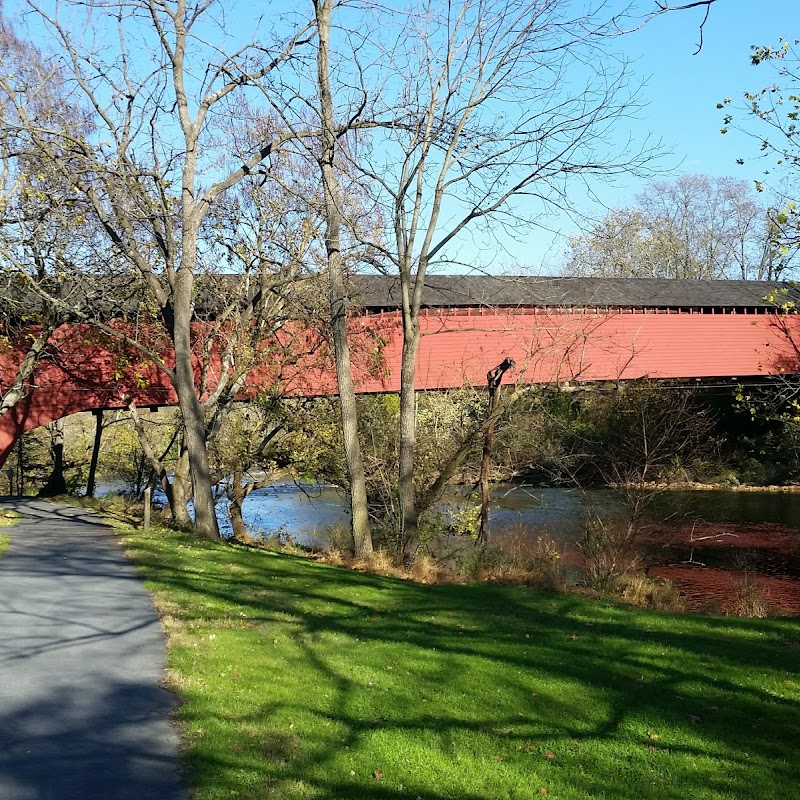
[(639, 590), (516, 561), (751, 599), (424, 569), (246, 539), (522, 561)]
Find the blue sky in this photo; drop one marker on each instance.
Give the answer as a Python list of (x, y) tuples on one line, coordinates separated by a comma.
[(681, 93), (683, 89)]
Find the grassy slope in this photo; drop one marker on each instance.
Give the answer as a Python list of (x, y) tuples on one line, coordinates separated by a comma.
[(300, 680)]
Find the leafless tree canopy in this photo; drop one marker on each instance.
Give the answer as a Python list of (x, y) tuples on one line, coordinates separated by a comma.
[(692, 227)]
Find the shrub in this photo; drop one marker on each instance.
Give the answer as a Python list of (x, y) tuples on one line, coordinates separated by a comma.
[(659, 595), (608, 551), (750, 599)]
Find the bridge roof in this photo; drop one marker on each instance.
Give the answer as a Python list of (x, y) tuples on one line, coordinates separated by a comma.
[(383, 292)]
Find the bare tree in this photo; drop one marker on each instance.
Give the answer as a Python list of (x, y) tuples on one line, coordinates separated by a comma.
[(48, 246), (486, 126), (327, 156), (692, 227), (154, 167), (631, 441)]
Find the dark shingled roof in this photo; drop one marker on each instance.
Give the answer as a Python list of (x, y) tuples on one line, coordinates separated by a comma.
[(383, 292)]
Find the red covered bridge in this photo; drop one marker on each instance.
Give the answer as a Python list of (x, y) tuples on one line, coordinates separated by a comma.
[(556, 330)]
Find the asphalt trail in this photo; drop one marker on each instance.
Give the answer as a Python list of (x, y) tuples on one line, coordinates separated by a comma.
[(83, 715)]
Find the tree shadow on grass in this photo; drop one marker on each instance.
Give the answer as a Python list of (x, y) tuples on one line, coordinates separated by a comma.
[(493, 680)]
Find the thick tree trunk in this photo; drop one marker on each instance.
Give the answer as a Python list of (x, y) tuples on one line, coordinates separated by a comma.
[(91, 479), (190, 405), (409, 513), (178, 491), (362, 538)]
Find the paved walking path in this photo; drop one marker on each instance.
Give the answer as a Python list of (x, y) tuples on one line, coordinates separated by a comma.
[(82, 712)]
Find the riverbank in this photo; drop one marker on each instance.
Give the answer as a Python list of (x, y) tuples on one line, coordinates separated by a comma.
[(750, 565), (299, 680), (693, 486)]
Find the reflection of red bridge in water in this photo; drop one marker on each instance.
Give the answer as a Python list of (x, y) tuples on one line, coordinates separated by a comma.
[(556, 330)]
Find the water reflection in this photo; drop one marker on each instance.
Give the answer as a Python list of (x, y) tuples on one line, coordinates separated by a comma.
[(306, 511)]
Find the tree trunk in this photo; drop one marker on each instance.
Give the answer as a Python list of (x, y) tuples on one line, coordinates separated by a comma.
[(98, 435), (16, 391), (237, 496), (21, 467), (494, 380), (362, 538), (178, 491), (56, 484), (191, 408), (409, 513)]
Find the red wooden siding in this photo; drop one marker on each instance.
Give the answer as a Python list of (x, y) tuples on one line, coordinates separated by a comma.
[(455, 349)]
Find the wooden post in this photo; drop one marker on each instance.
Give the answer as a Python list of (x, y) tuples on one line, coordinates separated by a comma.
[(148, 497)]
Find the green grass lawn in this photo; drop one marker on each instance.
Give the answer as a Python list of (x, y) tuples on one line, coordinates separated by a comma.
[(301, 680)]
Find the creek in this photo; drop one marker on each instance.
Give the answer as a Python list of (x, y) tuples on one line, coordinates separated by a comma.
[(305, 512)]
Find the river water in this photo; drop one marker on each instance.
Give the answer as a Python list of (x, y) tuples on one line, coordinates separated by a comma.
[(306, 512)]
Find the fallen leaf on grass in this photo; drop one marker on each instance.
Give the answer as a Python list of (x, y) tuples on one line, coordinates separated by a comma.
[(543, 790), (694, 719), (499, 758), (550, 754), (378, 775)]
